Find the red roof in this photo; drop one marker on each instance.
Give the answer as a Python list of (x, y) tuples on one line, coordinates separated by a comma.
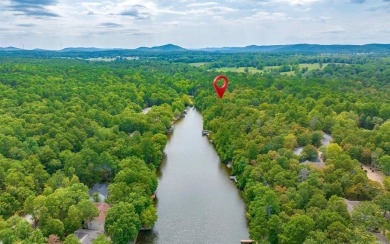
[(102, 208)]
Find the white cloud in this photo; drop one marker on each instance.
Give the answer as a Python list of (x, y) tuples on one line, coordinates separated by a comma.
[(289, 2), (263, 15), (194, 23), (213, 10), (206, 4), (301, 2), (332, 30)]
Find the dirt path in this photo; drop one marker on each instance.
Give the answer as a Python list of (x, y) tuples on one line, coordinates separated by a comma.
[(381, 238), (374, 174)]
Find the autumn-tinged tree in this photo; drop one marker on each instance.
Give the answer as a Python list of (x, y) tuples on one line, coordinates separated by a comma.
[(148, 216), (53, 239), (290, 141)]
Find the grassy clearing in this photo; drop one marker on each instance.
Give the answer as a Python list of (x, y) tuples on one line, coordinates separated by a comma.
[(198, 64), (239, 70), (309, 66), (271, 67), (266, 68), (312, 66), (288, 73)]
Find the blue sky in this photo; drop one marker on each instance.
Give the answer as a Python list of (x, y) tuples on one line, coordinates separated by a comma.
[(52, 24)]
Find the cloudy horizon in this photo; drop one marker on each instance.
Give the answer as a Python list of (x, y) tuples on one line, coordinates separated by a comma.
[(57, 24)]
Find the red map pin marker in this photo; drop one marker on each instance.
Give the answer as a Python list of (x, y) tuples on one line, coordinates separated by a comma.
[(220, 90)]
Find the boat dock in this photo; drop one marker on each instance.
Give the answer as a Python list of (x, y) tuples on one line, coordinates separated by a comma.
[(233, 177)]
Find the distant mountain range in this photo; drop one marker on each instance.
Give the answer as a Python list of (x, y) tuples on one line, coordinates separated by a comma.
[(10, 49), (294, 48), (83, 49), (305, 48), (251, 48), (164, 48)]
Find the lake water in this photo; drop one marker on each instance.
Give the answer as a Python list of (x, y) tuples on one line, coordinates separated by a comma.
[(196, 201)]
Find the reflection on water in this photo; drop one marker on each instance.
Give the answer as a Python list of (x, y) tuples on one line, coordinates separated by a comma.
[(197, 203)]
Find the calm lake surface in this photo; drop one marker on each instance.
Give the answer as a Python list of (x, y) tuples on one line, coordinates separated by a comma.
[(197, 203)]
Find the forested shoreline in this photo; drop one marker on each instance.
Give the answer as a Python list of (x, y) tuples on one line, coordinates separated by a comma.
[(67, 124), (259, 123)]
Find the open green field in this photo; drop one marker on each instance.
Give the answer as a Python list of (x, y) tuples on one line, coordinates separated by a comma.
[(312, 66), (271, 67), (198, 64), (240, 70), (266, 68), (288, 73)]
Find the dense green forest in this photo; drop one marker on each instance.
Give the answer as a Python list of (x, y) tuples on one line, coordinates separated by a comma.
[(264, 117), (66, 124)]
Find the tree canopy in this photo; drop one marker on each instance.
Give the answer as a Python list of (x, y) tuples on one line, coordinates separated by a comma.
[(66, 124)]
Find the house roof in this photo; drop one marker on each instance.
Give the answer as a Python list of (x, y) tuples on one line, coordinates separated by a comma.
[(102, 208), (100, 188)]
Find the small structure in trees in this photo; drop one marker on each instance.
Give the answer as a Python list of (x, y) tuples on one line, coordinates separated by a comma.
[(98, 193)]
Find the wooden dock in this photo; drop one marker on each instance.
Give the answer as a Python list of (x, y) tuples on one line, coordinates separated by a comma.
[(248, 241), (233, 177), (169, 130)]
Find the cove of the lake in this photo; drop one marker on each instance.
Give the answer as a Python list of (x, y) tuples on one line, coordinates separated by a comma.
[(196, 200)]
